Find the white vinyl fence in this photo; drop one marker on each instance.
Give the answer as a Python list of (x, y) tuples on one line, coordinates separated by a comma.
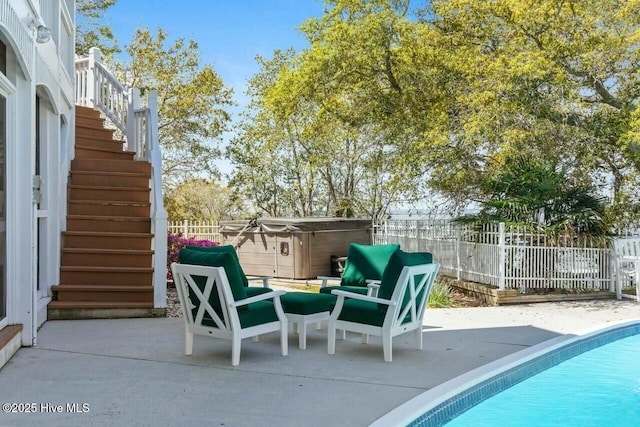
[(505, 258), (201, 230)]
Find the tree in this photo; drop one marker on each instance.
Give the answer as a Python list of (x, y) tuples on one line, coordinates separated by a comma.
[(539, 195), (201, 200), (552, 77), (272, 169), (385, 99), (91, 31), (191, 101), (333, 108), (468, 83)]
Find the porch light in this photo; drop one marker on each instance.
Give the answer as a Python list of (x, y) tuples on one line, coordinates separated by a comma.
[(43, 33)]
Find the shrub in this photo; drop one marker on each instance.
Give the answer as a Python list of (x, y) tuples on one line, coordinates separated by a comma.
[(440, 296), (175, 242)]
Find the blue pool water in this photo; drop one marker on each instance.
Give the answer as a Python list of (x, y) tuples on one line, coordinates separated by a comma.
[(600, 387)]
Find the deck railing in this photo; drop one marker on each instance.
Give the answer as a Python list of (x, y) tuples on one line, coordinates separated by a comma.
[(97, 88)]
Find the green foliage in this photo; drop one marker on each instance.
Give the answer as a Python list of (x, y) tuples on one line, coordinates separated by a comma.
[(322, 134), (535, 194), (201, 200), (176, 242), (559, 78), (91, 30), (192, 101), (440, 296)]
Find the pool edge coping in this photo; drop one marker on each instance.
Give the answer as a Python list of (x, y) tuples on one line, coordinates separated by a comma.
[(411, 410)]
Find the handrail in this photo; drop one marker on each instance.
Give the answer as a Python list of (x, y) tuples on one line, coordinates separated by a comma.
[(97, 88), (111, 97)]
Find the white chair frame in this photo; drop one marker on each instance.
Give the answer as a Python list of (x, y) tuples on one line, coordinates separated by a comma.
[(372, 291), (626, 260), (228, 327), (393, 322), (263, 279)]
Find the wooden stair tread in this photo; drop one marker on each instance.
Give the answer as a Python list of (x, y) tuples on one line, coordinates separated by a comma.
[(109, 251), (86, 122), (107, 233), (102, 288), (95, 304), (107, 187), (116, 161), (92, 127), (111, 202), (104, 150), (81, 139), (107, 269), (109, 173), (108, 218), (87, 112)]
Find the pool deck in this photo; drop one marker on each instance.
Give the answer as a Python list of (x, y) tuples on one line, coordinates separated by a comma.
[(133, 372)]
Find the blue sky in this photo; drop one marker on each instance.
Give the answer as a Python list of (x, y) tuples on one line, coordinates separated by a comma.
[(230, 33)]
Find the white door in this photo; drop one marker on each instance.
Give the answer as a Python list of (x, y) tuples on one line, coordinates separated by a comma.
[(42, 271)]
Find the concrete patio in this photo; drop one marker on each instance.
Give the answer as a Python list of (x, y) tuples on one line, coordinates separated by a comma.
[(133, 372)]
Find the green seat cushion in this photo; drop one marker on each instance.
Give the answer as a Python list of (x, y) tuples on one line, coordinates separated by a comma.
[(253, 314), (220, 249), (307, 302), (397, 262), (362, 312), (366, 262), (252, 291), (355, 289), (216, 259), (258, 313)]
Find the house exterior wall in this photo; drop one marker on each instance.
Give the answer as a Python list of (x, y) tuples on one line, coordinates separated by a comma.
[(38, 88)]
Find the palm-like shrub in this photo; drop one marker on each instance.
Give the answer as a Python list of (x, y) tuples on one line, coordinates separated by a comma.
[(541, 197)]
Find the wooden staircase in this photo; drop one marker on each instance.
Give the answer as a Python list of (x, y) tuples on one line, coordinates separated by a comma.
[(106, 265)]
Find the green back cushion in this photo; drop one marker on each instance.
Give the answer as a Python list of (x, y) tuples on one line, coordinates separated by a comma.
[(397, 262), (216, 259), (362, 312), (223, 249), (366, 262)]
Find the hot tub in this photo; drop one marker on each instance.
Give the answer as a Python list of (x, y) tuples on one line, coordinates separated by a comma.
[(293, 248)]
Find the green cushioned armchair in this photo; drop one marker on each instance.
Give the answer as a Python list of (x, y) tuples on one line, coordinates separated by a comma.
[(215, 302), (246, 280), (363, 269), (399, 308)]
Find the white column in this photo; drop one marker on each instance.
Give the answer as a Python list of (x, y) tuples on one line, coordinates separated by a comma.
[(133, 134)]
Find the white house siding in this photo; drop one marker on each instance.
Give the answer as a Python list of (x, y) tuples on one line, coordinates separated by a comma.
[(39, 70)]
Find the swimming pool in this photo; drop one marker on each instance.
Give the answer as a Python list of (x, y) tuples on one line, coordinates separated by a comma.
[(516, 390)]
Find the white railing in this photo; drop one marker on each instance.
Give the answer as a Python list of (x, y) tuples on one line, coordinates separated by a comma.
[(506, 258), (202, 230), (97, 88)]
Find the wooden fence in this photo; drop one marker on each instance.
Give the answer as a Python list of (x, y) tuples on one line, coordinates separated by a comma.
[(203, 230)]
